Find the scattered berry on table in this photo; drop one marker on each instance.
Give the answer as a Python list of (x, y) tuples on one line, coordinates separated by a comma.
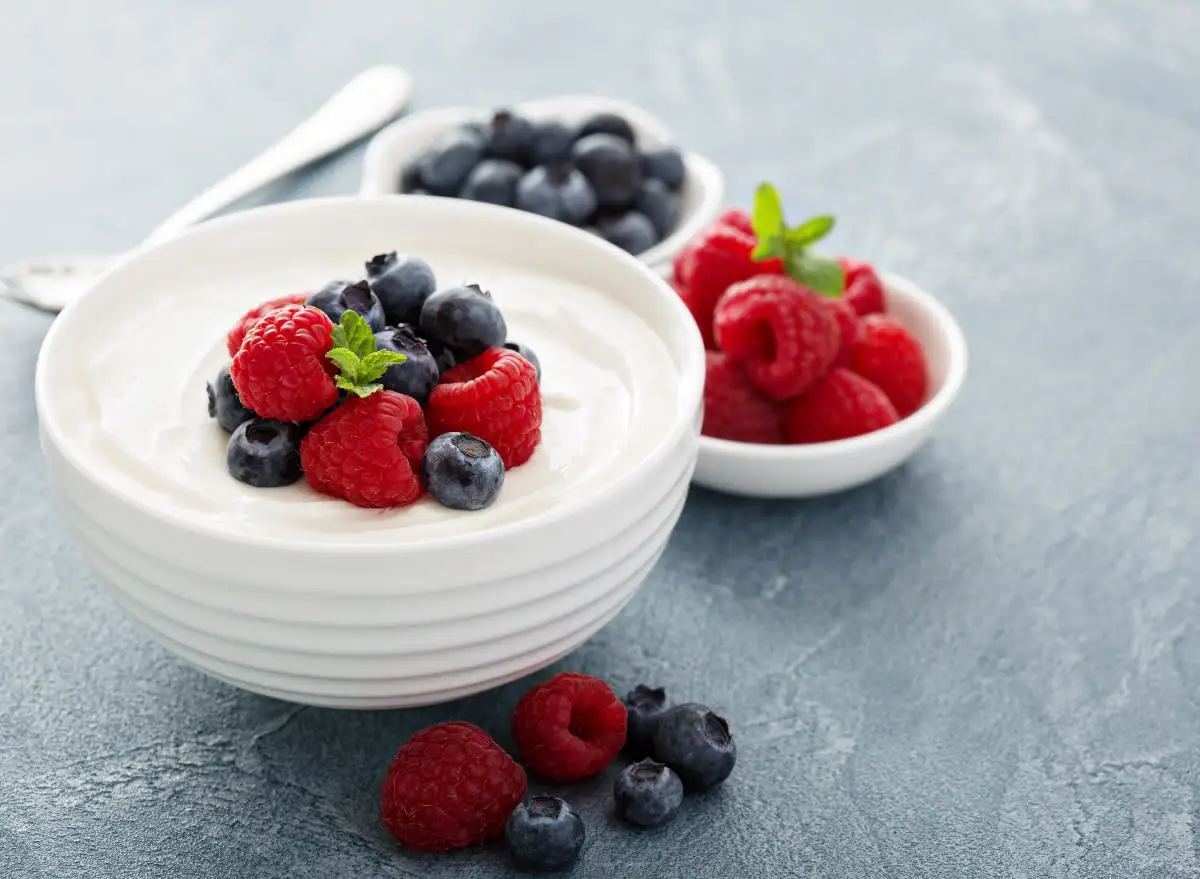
[(643, 706), (417, 374), (448, 787), (665, 164), (864, 290), (734, 409), (338, 297), (493, 181), (526, 352), (607, 123), (401, 283), (510, 137), (647, 793), (569, 727), (444, 168), (544, 834), (839, 406), (233, 340), (847, 320), (495, 397), (552, 142), (611, 166), (464, 319), (280, 369), (696, 743), (265, 453), (462, 472), (887, 355), (224, 403), (631, 231), (556, 191), (660, 205)]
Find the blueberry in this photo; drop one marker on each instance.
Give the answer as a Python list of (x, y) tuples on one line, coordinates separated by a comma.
[(494, 181), (556, 191), (448, 162), (526, 352), (647, 793), (544, 834), (608, 123), (462, 471), (611, 166), (660, 205), (697, 744), (552, 142), (443, 356), (265, 453), (664, 163), (402, 284), (510, 137), (417, 375), (631, 231), (338, 297), (464, 319), (224, 404), (643, 707), (410, 178)]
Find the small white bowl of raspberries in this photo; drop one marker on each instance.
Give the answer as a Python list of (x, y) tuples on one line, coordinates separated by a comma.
[(373, 452), (822, 373)]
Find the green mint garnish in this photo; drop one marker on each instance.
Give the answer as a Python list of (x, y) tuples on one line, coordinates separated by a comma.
[(354, 353), (776, 239)]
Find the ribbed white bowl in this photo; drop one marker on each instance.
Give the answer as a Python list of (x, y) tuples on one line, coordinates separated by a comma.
[(472, 611)]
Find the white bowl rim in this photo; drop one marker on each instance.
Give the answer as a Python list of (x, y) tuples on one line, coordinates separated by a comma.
[(691, 387)]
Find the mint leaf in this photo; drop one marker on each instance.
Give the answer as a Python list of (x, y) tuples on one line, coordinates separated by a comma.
[(767, 248), (359, 390), (819, 273), (810, 231), (768, 213), (354, 334), (376, 363), (347, 361)]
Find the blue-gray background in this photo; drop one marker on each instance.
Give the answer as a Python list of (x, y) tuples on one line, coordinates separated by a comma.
[(984, 665)]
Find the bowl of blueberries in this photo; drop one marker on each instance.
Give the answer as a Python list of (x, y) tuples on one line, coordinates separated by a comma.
[(596, 163)]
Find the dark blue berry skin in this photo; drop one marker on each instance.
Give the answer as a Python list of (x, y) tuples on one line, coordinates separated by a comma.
[(664, 163), (544, 834), (611, 166), (418, 374), (338, 297), (446, 165), (552, 142), (401, 283), (265, 453), (224, 404), (510, 137), (608, 123), (643, 707), (631, 231), (463, 319), (647, 794), (443, 356), (660, 205), (493, 181), (558, 192), (410, 178), (526, 352), (462, 472), (697, 744)]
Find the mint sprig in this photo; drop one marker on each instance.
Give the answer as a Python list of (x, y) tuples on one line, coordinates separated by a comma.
[(355, 355), (791, 244)]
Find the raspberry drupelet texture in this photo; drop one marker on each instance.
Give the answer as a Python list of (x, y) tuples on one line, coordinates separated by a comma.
[(864, 290), (847, 321), (839, 406), (886, 354), (280, 370), (233, 341), (734, 409), (569, 727)]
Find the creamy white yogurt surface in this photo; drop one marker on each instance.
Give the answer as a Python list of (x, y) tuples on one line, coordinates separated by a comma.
[(139, 410)]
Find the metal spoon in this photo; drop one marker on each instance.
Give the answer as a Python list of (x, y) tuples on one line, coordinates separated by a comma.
[(364, 104)]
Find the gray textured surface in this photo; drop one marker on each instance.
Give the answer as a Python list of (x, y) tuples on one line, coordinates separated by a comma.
[(985, 665)]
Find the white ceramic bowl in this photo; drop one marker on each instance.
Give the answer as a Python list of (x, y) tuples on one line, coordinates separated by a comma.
[(823, 468), (403, 141), (372, 625)]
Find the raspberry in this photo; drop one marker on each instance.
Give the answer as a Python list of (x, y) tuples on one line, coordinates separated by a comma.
[(570, 727), (280, 370), (779, 332), (495, 397), (886, 354), (864, 290), (840, 405), (847, 320), (450, 786), (233, 341), (368, 451), (737, 218), (733, 409)]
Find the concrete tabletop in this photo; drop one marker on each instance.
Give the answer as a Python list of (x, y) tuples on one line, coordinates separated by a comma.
[(984, 665)]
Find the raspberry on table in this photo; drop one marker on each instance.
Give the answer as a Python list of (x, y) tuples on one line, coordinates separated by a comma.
[(839, 406), (280, 370), (734, 409), (495, 397), (233, 341), (864, 290), (847, 320), (886, 354), (779, 332), (368, 451), (569, 727), (448, 787)]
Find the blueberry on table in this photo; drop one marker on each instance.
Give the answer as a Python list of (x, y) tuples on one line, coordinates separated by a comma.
[(608, 123), (445, 167), (265, 453), (493, 181), (510, 137), (664, 163), (631, 231), (224, 404), (544, 834), (697, 744), (647, 793), (660, 205), (526, 352), (401, 283), (417, 375), (462, 471), (552, 142), (643, 707), (611, 166), (559, 192), (338, 297), (464, 319)]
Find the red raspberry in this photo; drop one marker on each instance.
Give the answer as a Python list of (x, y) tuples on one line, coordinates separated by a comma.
[(886, 354), (737, 218), (368, 451), (280, 371), (840, 405), (779, 332), (450, 786), (734, 410), (233, 341), (847, 320), (570, 727), (863, 290), (494, 396)]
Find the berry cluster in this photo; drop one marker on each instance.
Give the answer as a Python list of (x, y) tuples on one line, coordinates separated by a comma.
[(451, 785), (593, 175), (379, 390), (800, 349)]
